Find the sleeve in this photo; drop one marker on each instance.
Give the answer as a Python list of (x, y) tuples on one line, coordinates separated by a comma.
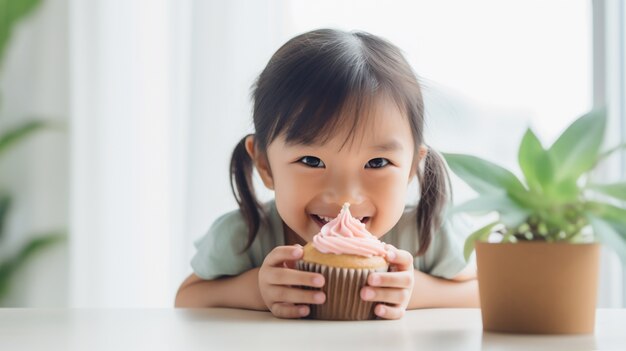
[(444, 258), (219, 250)]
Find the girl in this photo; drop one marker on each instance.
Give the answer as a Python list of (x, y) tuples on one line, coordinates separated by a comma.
[(338, 118)]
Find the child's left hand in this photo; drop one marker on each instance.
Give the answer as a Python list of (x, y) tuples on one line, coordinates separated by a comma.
[(393, 288)]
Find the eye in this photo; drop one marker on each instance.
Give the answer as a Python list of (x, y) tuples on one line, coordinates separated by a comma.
[(312, 161), (378, 162)]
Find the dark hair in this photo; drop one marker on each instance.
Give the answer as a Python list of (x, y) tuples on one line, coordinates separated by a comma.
[(306, 85)]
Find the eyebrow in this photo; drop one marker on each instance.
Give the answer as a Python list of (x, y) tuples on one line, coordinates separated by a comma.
[(391, 145)]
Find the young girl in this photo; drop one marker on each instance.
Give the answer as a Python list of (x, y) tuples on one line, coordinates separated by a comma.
[(339, 118)]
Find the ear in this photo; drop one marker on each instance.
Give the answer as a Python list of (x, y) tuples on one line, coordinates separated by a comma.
[(422, 151), (260, 162)]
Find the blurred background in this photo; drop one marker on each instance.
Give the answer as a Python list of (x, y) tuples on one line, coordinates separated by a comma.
[(118, 118)]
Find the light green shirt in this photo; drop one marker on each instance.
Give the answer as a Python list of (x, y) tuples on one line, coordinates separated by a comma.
[(219, 251)]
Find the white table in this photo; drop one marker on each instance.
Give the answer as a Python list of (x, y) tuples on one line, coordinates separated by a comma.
[(226, 329)]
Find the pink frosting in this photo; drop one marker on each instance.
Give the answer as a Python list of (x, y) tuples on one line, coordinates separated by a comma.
[(347, 235)]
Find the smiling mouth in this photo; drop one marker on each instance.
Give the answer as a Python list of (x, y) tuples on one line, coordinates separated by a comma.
[(322, 220)]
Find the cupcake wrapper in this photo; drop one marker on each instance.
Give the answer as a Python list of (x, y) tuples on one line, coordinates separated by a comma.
[(342, 289)]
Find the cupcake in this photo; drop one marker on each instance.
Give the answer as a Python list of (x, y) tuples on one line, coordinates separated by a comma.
[(345, 253)]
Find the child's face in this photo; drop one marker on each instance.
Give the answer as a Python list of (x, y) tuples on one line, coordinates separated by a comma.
[(315, 181)]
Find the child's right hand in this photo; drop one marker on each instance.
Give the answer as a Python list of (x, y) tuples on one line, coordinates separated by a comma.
[(279, 281)]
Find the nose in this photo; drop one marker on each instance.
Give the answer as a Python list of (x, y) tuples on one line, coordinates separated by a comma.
[(343, 187)]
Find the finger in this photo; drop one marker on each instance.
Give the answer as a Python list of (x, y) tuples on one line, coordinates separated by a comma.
[(292, 264), (282, 276), (294, 295), (281, 254), (289, 310), (402, 260), (389, 295), (389, 312), (391, 280)]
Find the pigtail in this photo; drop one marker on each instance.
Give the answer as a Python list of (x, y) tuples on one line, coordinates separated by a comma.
[(434, 186), (241, 167)]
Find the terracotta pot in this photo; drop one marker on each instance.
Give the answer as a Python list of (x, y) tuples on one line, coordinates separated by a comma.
[(538, 287)]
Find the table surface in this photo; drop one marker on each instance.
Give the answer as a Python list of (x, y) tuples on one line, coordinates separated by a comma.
[(230, 329)]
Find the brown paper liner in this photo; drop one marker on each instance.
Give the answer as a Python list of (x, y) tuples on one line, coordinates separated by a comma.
[(342, 288)]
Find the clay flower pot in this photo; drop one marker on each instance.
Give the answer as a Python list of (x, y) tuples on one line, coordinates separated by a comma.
[(538, 287), (542, 275)]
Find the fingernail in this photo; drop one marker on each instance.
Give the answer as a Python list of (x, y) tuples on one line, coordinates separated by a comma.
[(391, 254), (303, 311), (296, 252), (381, 310), (318, 281), (368, 294), (375, 279), (319, 297)]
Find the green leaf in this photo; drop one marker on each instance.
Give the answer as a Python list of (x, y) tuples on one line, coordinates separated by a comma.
[(22, 8), (9, 267), (514, 218), (610, 151), (613, 217), (5, 205), (11, 12), (564, 191), (484, 204), (614, 190), (19, 133), (480, 235), (611, 234), (577, 149), (483, 176), (606, 211), (535, 162), (511, 214)]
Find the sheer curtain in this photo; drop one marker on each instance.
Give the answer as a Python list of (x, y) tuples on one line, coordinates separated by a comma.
[(128, 107), (232, 41), (159, 92), (610, 90)]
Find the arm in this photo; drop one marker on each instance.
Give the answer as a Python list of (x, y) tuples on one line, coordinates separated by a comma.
[(241, 291), (429, 291), (404, 287), (275, 285)]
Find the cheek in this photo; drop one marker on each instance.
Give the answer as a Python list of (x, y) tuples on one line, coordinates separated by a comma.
[(389, 187), (389, 197), (292, 193), (293, 187)]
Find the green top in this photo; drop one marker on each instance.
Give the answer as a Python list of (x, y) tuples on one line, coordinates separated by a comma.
[(218, 252)]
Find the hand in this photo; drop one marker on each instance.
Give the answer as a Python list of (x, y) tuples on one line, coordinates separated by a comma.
[(281, 285), (393, 288)]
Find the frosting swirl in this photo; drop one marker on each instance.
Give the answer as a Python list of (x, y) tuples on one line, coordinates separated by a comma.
[(347, 235)]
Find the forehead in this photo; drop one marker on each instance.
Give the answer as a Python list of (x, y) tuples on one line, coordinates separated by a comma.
[(379, 123)]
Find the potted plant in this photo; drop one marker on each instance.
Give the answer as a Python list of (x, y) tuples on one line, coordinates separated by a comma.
[(538, 260)]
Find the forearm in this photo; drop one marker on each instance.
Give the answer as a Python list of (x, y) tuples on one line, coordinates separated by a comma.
[(241, 291), (429, 292)]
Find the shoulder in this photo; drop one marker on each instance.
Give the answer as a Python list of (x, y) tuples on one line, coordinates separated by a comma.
[(221, 252), (231, 228)]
